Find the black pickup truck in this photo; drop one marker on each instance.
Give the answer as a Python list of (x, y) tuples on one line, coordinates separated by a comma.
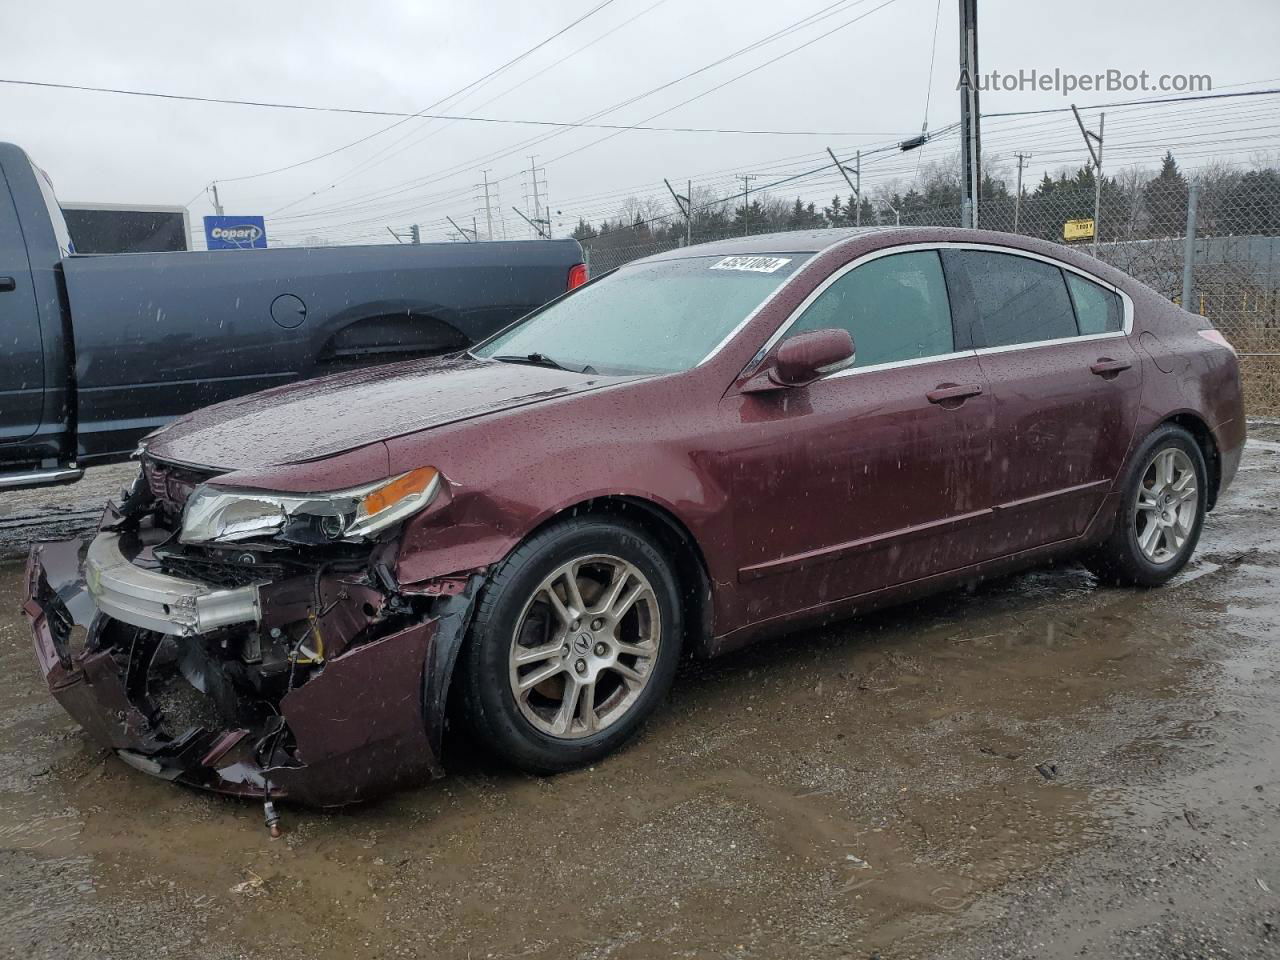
[(96, 351)]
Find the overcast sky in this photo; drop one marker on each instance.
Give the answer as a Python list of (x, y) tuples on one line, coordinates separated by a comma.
[(863, 85)]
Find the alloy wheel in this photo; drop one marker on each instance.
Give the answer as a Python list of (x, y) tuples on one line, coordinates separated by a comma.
[(1166, 505), (585, 646)]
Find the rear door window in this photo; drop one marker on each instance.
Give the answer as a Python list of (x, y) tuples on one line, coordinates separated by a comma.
[(1017, 299), (894, 307), (1098, 309)]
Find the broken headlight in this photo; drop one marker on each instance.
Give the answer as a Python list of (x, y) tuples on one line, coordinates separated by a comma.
[(214, 515)]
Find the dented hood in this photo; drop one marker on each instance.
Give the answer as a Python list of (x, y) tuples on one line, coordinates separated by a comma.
[(320, 418)]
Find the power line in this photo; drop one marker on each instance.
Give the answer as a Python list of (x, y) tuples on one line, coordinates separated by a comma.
[(1010, 127), (720, 86), (1128, 103), (438, 116), (492, 73), (809, 20), (933, 55), (418, 137)]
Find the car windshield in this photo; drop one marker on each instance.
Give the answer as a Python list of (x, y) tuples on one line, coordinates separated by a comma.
[(660, 317)]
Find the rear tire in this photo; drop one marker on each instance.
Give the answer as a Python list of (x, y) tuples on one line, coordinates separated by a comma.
[(1162, 508), (574, 643)]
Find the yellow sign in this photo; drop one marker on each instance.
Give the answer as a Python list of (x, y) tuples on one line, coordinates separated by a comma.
[(1077, 230)]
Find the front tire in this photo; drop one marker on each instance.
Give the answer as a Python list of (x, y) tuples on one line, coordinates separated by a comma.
[(574, 643), (1162, 509)]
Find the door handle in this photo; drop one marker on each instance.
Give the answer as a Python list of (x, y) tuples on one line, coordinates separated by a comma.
[(946, 392), (7, 284), (1107, 368)]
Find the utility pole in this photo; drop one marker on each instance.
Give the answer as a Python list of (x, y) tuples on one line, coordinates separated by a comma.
[(415, 235), (970, 139), (1090, 138), (1189, 247), (857, 173), (857, 190), (746, 179), (1017, 200), (217, 204), (488, 213), (685, 206), (688, 226)]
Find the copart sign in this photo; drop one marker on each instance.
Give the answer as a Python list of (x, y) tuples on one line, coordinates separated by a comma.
[(235, 233)]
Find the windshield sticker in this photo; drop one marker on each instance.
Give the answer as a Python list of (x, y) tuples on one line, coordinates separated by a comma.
[(752, 264)]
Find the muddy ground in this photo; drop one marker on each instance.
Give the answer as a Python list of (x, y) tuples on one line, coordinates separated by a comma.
[(1038, 768)]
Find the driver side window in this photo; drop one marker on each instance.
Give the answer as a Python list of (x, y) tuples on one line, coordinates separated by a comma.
[(894, 307)]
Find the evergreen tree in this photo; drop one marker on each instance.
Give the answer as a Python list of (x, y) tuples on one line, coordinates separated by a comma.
[(835, 214), (1252, 205), (1166, 200)]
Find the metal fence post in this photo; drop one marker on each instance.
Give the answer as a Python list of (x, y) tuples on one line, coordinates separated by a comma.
[(1189, 247)]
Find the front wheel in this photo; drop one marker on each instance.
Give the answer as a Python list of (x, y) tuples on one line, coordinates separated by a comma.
[(574, 643), (1162, 510)]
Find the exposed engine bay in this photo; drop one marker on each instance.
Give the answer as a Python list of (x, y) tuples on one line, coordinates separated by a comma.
[(265, 668)]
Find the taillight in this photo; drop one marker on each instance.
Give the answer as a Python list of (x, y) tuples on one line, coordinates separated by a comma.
[(577, 275), (1214, 336)]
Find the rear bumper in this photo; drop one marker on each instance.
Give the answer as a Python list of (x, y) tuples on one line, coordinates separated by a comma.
[(357, 727), (1230, 438)]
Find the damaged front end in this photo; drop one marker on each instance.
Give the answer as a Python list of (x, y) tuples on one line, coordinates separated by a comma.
[(261, 669)]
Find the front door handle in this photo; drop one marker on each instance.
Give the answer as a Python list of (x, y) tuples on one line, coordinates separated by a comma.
[(7, 284), (1108, 369), (953, 394)]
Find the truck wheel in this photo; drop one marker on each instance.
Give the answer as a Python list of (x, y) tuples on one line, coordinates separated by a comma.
[(1162, 509), (574, 642)]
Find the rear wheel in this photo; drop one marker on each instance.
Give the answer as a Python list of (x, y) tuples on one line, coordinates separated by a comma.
[(1161, 512), (574, 643)]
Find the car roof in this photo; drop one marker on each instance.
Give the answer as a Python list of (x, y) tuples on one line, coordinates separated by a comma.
[(795, 241), (818, 241)]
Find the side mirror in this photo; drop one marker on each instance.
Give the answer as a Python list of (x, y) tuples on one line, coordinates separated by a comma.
[(804, 358)]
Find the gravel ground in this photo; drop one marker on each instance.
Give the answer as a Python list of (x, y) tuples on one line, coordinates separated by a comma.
[(1038, 768), (56, 513)]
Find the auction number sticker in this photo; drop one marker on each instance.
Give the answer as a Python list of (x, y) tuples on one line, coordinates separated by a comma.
[(752, 264)]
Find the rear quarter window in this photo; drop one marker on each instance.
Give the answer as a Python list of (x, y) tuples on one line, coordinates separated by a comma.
[(1098, 310)]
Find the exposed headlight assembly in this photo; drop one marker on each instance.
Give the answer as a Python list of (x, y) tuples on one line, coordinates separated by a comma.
[(214, 515)]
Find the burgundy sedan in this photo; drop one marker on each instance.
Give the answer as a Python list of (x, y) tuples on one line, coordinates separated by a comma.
[(694, 451)]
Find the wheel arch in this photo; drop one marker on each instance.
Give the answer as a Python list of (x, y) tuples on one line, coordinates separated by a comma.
[(1195, 425), (676, 540)]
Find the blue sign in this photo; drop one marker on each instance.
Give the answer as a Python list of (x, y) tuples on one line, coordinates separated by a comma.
[(235, 233)]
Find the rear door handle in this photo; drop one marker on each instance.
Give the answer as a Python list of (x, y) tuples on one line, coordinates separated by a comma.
[(7, 284), (1108, 368), (946, 392)]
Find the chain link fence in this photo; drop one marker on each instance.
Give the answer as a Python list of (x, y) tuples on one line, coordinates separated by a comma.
[(1141, 229)]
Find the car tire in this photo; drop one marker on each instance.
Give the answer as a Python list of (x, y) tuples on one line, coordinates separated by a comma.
[(1157, 526), (526, 655)]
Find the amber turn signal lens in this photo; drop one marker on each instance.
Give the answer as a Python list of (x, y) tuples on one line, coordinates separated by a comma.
[(389, 494)]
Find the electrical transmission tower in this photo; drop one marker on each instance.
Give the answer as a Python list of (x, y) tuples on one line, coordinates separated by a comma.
[(487, 202), (535, 199)]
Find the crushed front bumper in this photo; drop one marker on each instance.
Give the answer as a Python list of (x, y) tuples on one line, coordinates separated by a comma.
[(158, 602), (364, 721)]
